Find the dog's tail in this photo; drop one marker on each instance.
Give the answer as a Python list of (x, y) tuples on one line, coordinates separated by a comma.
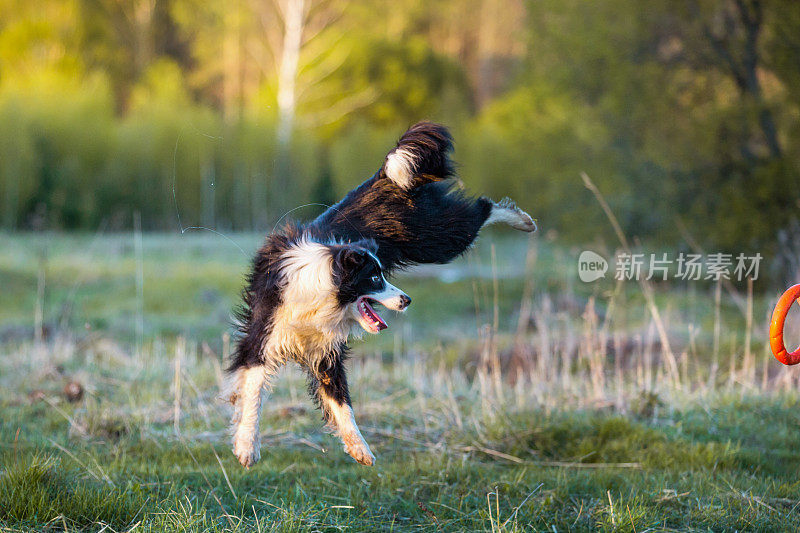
[(422, 155)]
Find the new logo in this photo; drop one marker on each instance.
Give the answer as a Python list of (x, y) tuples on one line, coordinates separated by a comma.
[(591, 266)]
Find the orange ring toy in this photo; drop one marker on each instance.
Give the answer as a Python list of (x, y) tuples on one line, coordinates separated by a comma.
[(776, 327)]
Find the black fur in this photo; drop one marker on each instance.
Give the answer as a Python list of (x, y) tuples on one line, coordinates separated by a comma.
[(260, 298), (422, 218), (431, 145), (428, 223), (356, 272), (332, 378)]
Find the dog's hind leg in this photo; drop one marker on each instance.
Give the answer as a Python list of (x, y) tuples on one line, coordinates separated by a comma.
[(329, 389), (507, 212), (247, 386)]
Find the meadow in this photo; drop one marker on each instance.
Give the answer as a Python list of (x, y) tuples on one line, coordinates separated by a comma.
[(510, 397)]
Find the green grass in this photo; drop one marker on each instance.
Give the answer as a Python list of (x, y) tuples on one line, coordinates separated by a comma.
[(736, 479), (534, 425)]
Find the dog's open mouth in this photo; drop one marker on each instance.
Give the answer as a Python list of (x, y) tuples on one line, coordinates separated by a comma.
[(371, 321)]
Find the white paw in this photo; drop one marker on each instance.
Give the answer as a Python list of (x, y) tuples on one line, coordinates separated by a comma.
[(359, 450), (518, 218), (247, 449), (525, 223)]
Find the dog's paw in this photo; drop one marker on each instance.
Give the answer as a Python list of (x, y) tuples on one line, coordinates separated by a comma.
[(526, 223), (247, 450), (360, 452), (519, 219), (247, 456)]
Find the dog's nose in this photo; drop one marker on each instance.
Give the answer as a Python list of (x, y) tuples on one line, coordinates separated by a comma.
[(405, 301)]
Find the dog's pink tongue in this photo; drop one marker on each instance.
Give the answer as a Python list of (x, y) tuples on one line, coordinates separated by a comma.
[(373, 316)]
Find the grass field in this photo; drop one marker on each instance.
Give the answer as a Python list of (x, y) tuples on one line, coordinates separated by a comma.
[(509, 397)]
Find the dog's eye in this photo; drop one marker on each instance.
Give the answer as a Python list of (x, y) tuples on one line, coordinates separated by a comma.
[(375, 279)]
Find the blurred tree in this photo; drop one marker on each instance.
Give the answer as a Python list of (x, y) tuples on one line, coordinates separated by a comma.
[(486, 37), (235, 111), (726, 36), (324, 191), (689, 97), (299, 22), (736, 39), (405, 81), (124, 38), (38, 46)]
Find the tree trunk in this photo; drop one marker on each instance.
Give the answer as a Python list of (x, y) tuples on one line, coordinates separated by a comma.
[(293, 25), (294, 14), (751, 14)]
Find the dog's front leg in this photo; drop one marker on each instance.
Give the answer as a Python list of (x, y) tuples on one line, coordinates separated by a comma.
[(246, 397), (329, 388)]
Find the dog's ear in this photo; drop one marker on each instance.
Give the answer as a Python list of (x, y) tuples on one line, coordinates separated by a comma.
[(351, 258)]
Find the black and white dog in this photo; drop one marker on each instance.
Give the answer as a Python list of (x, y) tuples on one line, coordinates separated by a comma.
[(312, 285)]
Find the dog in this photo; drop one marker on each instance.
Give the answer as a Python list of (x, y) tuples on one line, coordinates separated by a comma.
[(312, 286)]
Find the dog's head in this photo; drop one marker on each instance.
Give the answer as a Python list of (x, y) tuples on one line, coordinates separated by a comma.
[(360, 284)]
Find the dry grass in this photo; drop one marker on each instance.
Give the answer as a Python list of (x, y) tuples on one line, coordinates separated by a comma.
[(510, 396)]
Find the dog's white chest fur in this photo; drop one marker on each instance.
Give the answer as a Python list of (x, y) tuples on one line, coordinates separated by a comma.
[(306, 332), (309, 321)]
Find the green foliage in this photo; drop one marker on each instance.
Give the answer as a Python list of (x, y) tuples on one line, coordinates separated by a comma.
[(683, 110), (69, 164), (409, 80), (539, 146)]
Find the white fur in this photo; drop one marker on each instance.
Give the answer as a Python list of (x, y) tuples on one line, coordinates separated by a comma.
[(306, 327), (307, 324), (310, 321), (399, 167), (248, 385), (507, 212), (347, 429)]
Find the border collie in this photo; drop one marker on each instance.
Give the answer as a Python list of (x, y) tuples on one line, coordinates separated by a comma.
[(313, 285)]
